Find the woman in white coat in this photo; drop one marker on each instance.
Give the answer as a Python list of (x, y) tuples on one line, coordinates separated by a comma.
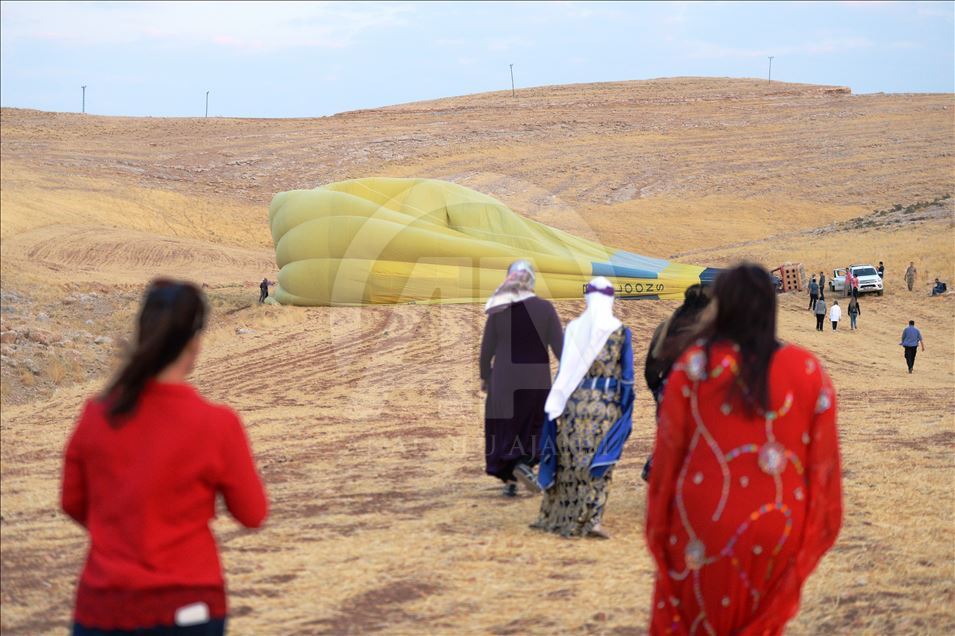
[(835, 314)]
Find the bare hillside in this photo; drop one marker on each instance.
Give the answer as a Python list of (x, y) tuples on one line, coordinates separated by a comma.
[(367, 421)]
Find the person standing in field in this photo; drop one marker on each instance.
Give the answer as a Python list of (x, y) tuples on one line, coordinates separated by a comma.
[(854, 312), (822, 285), (669, 340), (589, 412), (911, 339), (745, 496), (669, 336), (263, 290), (910, 275), (820, 310), (515, 373), (813, 293), (881, 270), (847, 285), (835, 314), (143, 469)]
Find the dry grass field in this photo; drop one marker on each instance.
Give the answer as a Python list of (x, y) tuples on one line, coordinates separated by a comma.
[(367, 422)]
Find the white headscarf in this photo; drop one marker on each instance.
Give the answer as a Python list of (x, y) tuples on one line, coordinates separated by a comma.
[(583, 340), (518, 286)]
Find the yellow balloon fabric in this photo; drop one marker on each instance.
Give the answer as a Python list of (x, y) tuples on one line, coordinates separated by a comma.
[(386, 240)]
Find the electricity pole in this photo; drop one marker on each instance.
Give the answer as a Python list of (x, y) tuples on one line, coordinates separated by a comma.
[(207, 104), (84, 99), (771, 68), (513, 94)]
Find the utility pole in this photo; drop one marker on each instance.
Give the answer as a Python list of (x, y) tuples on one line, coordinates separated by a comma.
[(513, 94), (771, 68), (84, 99), (207, 104)]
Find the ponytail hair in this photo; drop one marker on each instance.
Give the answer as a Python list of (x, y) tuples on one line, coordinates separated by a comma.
[(172, 314)]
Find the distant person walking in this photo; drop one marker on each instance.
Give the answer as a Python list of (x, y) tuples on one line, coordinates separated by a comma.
[(813, 293), (854, 312), (144, 468), (835, 314), (263, 290), (515, 373), (911, 339), (822, 285), (820, 310), (910, 275), (881, 270), (847, 286)]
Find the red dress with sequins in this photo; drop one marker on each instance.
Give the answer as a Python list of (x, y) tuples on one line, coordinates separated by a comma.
[(741, 505)]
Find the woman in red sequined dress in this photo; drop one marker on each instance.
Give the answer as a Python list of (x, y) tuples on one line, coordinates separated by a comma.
[(745, 495)]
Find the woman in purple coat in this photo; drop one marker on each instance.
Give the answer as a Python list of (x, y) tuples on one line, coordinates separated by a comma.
[(515, 373)]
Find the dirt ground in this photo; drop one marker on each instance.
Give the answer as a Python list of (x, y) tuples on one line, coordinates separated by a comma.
[(367, 422)]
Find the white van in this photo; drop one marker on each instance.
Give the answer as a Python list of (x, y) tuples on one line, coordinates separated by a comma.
[(869, 279)]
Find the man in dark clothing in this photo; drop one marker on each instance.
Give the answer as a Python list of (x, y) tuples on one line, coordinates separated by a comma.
[(263, 290), (822, 285), (881, 270), (911, 339), (515, 372), (813, 293)]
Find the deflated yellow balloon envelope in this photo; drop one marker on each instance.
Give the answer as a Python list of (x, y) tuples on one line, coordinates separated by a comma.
[(385, 240)]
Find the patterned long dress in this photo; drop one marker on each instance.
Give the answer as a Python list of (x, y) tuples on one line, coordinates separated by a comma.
[(741, 505), (575, 503)]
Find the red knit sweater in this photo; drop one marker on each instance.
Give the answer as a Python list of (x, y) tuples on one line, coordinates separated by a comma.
[(146, 492)]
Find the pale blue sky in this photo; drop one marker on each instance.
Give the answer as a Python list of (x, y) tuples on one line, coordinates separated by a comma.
[(308, 59)]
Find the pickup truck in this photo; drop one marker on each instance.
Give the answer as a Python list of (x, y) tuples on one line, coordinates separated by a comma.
[(869, 279)]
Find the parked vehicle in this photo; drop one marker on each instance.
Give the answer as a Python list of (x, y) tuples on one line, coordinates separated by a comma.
[(869, 280)]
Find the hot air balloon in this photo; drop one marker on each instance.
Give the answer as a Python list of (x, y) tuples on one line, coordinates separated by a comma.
[(388, 240)]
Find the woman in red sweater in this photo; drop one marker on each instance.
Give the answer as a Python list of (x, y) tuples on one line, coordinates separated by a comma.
[(143, 468)]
